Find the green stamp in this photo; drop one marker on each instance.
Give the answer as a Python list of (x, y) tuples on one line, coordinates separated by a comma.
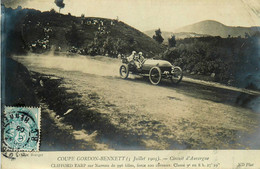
[(21, 129)]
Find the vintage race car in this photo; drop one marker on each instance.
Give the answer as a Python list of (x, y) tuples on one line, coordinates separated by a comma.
[(155, 69)]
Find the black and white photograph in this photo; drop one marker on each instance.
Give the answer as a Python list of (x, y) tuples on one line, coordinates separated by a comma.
[(130, 75)]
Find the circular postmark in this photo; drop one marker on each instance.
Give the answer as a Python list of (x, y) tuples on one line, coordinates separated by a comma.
[(20, 131)]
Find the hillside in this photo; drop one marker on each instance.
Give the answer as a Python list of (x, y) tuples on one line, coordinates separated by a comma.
[(215, 28), (38, 32)]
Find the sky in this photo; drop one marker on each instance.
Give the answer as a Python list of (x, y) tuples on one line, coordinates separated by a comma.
[(152, 14)]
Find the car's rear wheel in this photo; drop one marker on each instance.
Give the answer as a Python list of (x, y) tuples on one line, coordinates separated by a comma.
[(124, 71), (155, 75), (177, 75)]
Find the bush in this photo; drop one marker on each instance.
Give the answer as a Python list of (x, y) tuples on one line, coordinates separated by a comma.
[(228, 58)]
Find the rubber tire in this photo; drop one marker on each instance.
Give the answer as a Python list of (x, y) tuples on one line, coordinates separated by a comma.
[(126, 73), (177, 82), (160, 75)]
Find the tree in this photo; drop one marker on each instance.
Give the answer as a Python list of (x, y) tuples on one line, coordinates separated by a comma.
[(172, 41), (158, 36), (60, 4)]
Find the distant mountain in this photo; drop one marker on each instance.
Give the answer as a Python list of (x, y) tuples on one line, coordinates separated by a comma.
[(215, 28), (206, 28)]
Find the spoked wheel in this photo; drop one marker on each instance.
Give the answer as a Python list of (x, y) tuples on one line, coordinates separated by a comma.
[(177, 75), (155, 75), (124, 71)]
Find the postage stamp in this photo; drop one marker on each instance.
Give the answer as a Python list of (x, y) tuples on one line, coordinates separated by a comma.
[(21, 129)]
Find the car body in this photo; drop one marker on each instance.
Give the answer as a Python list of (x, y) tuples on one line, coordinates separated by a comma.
[(155, 69)]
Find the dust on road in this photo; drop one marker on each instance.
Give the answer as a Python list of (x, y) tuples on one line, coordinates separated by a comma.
[(192, 115)]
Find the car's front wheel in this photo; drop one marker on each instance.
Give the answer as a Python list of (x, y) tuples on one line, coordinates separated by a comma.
[(124, 71), (155, 75)]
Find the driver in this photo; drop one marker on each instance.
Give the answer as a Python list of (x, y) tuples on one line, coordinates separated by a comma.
[(140, 57), (139, 60)]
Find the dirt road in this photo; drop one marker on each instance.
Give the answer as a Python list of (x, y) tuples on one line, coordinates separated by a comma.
[(111, 113)]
